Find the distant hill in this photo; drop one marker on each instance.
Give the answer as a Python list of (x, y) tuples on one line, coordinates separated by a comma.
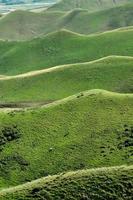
[(24, 25), (112, 73), (81, 21), (62, 47), (91, 5), (21, 25), (12, 2)]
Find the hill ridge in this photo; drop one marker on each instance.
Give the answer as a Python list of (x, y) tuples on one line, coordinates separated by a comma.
[(24, 25), (38, 184), (82, 94), (62, 175), (66, 5), (72, 33), (51, 69), (61, 48)]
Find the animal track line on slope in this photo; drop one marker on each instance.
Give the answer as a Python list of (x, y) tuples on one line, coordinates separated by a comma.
[(51, 69)]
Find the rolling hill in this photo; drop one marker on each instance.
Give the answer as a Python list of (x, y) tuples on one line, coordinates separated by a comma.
[(81, 21), (62, 47), (24, 25), (21, 25), (83, 184), (54, 138), (66, 5), (66, 102), (112, 73)]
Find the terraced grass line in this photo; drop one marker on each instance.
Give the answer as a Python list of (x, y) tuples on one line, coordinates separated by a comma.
[(63, 47), (61, 133), (113, 73), (33, 105), (43, 71), (76, 184)]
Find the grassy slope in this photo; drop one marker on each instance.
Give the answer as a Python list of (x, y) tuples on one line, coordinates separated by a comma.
[(81, 21), (83, 184), (55, 138), (21, 25), (111, 73), (62, 47), (91, 5)]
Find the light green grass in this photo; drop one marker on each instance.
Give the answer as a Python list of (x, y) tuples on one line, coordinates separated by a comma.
[(87, 130), (62, 47), (112, 73), (91, 5)]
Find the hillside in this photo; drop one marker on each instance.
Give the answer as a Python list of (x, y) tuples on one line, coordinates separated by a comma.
[(66, 5), (21, 25), (81, 21), (111, 73), (62, 47), (54, 139), (83, 184), (24, 25), (66, 100)]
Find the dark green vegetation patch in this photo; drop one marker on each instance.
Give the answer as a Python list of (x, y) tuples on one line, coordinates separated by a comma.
[(8, 134), (97, 184)]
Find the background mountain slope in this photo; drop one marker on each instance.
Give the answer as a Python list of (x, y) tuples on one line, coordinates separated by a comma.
[(23, 25), (91, 5), (62, 47)]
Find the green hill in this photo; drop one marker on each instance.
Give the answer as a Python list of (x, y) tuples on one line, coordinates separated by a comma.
[(81, 21), (84, 184), (112, 73), (66, 102), (23, 25), (62, 47), (54, 139), (91, 5)]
